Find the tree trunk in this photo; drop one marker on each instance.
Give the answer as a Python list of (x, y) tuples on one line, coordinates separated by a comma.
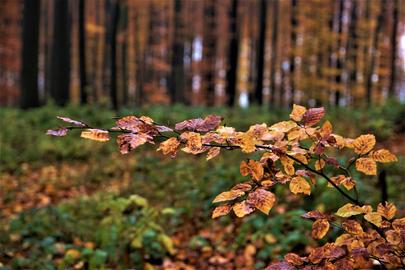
[(260, 53), (339, 64), (29, 72), (60, 63), (274, 47), (294, 24), (113, 53), (394, 44), (233, 55), (82, 53)]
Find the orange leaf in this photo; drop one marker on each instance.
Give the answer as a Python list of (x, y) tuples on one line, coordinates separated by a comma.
[(383, 156), (262, 200), (300, 185), (366, 166), (228, 195), (312, 116), (221, 210), (364, 144), (388, 210), (253, 168), (320, 228), (293, 259), (213, 152), (352, 227), (374, 218), (243, 208), (169, 146), (95, 135), (297, 112)]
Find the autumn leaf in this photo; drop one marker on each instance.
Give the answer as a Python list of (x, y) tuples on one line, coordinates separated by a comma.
[(288, 165), (71, 121), (213, 152), (297, 112), (320, 228), (262, 199), (283, 126), (221, 210), (294, 259), (243, 208), (210, 122), (387, 210), (245, 141), (57, 132), (349, 210), (364, 144), (383, 156), (366, 166), (194, 142), (253, 168), (374, 218), (129, 141), (352, 227), (319, 164), (312, 116), (228, 195), (315, 214), (169, 147), (95, 135), (300, 185)]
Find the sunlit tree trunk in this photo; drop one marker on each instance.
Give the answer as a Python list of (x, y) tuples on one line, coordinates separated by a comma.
[(29, 73)]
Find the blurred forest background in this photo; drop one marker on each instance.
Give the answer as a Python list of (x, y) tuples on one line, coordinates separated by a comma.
[(76, 204), (201, 52)]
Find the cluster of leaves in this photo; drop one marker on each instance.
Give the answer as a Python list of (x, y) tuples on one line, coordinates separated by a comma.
[(294, 152)]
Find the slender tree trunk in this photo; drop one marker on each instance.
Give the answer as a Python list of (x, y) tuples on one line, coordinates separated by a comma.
[(274, 47), (294, 24), (260, 52), (177, 76), (60, 63), (394, 44), (373, 56), (352, 48), (82, 53), (113, 53), (339, 64), (29, 72), (233, 55)]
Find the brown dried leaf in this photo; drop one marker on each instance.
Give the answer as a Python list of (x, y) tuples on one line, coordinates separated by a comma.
[(221, 210), (262, 199), (366, 166), (294, 259), (253, 168), (228, 195), (297, 112), (129, 141), (300, 185), (312, 116), (95, 135), (352, 226), (364, 144), (213, 152), (169, 147), (383, 156), (57, 132), (315, 214), (71, 121), (387, 210), (209, 123), (374, 218), (320, 228), (243, 208)]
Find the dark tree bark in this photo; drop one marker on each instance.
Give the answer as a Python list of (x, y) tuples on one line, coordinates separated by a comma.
[(339, 64), (30, 40), (233, 55), (352, 46), (82, 53), (373, 56), (394, 44), (177, 77), (258, 98), (274, 43), (294, 24), (113, 53), (60, 62)]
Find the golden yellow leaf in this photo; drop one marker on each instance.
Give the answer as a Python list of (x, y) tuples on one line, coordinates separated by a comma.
[(383, 156), (349, 210), (288, 165), (301, 158), (364, 144), (297, 112), (374, 218), (169, 146), (283, 126), (300, 185), (366, 166), (320, 228), (319, 164), (95, 135), (326, 129), (340, 141), (262, 200), (246, 141), (388, 210), (194, 142), (253, 168), (221, 210), (228, 195), (242, 209)]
